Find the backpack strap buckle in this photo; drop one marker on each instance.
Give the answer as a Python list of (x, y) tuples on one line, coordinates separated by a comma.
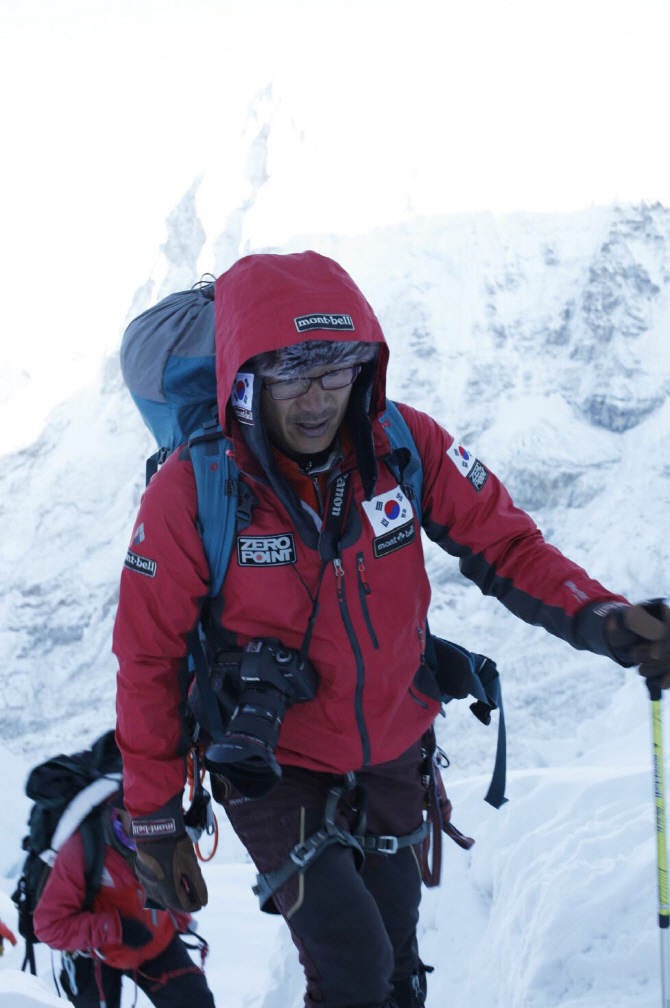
[(389, 845)]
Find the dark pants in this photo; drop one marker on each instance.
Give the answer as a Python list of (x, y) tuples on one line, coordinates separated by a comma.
[(170, 980), (355, 929)]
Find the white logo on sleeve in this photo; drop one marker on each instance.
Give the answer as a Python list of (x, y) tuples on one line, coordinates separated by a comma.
[(388, 511), (463, 459)]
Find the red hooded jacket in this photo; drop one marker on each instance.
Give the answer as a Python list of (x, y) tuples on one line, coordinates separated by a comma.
[(376, 695)]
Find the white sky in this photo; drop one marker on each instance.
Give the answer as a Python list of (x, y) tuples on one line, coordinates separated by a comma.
[(111, 109)]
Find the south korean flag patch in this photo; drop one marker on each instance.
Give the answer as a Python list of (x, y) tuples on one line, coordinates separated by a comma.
[(468, 465), (392, 519), (242, 396), (462, 458)]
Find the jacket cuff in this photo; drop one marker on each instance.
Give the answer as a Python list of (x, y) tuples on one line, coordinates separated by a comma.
[(591, 621), (166, 823)]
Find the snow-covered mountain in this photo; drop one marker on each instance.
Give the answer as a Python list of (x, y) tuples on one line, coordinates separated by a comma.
[(539, 341)]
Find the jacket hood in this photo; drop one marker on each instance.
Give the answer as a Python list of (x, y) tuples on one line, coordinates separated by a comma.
[(268, 302)]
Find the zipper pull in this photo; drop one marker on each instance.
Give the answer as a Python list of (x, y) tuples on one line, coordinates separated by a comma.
[(339, 576), (318, 495), (361, 573), (421, 645)]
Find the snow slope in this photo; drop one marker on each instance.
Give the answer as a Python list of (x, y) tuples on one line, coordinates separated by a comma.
[(539, 341)]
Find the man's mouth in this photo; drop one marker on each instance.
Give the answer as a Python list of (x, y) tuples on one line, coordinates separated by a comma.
[(312, 428)]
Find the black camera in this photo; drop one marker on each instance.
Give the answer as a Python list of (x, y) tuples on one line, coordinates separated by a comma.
[(272, 678)]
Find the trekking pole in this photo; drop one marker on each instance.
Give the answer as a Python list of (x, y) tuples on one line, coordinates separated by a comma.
[(661, 847)]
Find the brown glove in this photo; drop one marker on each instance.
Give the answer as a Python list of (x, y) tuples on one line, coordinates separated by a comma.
[(640, 635), (166, 864)]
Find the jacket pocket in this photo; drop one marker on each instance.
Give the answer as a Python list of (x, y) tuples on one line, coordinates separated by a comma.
[(425, 683)]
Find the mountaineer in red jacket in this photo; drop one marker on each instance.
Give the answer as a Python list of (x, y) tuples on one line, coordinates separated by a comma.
[(117, 936), (326, 588)]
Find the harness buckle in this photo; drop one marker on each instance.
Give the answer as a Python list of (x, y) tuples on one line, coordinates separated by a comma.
[(386, 845), (303, 852)]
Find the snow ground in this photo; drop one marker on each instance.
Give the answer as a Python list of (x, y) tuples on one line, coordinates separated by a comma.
[(554, 905)]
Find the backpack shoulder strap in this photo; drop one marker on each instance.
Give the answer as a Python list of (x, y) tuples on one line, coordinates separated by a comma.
[(224, 502), (405, 461), (77, 811), (93, 839)]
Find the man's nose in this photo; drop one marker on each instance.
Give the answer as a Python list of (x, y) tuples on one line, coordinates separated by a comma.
[(315, 399)]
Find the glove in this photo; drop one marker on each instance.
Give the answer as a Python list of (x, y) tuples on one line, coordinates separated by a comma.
[(134, 933), (640, 635), (166, 864)]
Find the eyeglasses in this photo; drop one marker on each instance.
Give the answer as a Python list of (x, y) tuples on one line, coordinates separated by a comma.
[(291, 388)]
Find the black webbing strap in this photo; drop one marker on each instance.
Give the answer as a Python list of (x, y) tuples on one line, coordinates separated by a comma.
[(211, 709), (372, 844), (306, 851), (300, 859), (29, 958)]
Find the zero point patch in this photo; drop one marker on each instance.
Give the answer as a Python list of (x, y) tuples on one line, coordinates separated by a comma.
[(266, 550)]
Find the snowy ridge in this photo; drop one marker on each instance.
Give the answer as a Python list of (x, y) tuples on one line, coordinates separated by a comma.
[(539, 341)]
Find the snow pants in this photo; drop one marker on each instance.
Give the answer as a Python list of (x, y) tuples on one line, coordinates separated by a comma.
[(354, 927), (170, 980)]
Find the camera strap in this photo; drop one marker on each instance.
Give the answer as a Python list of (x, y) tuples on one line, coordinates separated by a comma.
[(337, 509), (337, 506)]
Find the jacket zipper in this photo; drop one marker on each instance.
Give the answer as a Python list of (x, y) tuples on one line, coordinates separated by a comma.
[(317, 493), (423, 662), (360, 671), (364, 590)]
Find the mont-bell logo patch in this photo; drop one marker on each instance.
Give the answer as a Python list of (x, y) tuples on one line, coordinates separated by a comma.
[(393, 540), (266, 551), (147, 828), (324, 320), (140, 564), (242, 396)]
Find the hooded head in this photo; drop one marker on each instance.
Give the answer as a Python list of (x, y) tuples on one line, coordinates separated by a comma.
[(287, 316), (282, 316)]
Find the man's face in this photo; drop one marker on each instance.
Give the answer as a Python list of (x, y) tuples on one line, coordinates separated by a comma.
[(308, 424)]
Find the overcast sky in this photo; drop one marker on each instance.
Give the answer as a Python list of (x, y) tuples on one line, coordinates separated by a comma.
[(110, 110)]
